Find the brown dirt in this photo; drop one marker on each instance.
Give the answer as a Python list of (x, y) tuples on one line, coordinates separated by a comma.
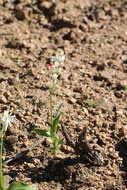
[(93, 35)]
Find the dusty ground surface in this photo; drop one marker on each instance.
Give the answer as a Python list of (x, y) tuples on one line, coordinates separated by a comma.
[(92, 86)]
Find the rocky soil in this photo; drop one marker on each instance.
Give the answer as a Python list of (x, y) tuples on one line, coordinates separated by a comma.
[(92, 86)]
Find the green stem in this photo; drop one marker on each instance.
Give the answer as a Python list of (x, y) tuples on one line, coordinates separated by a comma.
[(51, 93), (50, 106), (1, 166)]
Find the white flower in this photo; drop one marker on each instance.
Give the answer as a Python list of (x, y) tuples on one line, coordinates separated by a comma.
[(58, 58), (60, 70), (54, 76), (7, 119), (56, 64)]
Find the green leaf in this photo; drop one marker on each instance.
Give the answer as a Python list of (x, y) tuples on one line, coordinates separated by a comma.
[(1, 185), (56, 144), (58, 110), (54, 124), (21, 186), (55, 121), (90, 103), (125, 88), (61, 141), (42, 132)]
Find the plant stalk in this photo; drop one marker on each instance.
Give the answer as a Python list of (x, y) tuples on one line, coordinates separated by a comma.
[(51, 93), (1, 165)]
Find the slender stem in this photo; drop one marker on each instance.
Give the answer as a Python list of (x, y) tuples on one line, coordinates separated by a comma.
[(1, 166), (1, 146), (51, 94), (50, 105)]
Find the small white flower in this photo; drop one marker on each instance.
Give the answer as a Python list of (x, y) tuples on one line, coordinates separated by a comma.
[(54, 76), (58, 58), (60, 70), (56, 64), (7, 119), (61, 58)]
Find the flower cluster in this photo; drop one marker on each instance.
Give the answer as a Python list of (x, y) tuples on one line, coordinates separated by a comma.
[(58, 58), (56, 62)]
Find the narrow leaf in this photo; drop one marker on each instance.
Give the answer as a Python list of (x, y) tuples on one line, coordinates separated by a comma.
[(42, 132), (21, 186), (61, 141), (1, 185), (58, 110), (54, 124)]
